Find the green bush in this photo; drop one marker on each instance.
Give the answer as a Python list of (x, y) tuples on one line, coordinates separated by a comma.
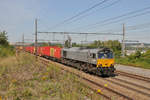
[(137, 59), (6, 51)]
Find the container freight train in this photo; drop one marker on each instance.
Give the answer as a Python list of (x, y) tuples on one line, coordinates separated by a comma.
[(98, 61)]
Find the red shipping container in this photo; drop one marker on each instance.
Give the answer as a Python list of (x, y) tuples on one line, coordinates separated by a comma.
[(55, 52), (52, 51), (39, 51), (45, 51)]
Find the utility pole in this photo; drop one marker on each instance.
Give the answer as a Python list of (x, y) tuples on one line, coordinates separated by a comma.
[(86, 37), (53, 36), (35, 38), (49, 40), (123, 41), (23, 41), (64, 39)]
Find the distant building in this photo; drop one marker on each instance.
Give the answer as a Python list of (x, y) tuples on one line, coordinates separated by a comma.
[(19, 44), (131, 48), (138, 45)]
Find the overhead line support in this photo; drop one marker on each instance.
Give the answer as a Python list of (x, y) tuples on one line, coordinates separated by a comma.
[(36, 38), (123, 41), (23, 41)]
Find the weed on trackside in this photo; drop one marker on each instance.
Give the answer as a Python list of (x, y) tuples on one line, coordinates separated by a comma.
[(22, 78)]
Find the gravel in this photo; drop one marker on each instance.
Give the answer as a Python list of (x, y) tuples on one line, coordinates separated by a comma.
[(133, 70)]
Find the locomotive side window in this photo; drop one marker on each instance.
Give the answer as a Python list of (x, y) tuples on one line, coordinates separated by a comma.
[(64, 53), (93, 55)]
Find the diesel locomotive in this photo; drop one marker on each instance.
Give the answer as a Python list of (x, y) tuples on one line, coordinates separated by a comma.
[(99, 61)]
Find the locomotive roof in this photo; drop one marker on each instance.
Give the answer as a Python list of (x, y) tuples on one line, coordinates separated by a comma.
[(95, 50)]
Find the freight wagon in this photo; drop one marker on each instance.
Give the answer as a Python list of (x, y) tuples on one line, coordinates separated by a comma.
[(99, 61)]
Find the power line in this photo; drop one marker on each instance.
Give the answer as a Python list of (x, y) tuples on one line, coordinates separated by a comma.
[(145, 30), (114, 18), (81, 17), (134, 27), (141, 14), (131, 41), (80, 13), (140, 26), (123, 41), (80, 33), (36, 41)]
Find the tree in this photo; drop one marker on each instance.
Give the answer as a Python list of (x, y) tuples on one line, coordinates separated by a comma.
[(138, 54), (74, 44), (68, 42), (3, 38)]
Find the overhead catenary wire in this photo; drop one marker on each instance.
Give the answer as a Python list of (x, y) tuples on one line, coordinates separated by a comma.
[(145, 30), (116, 21), (140, 26), (136, 14), (80, 33), (131, 27), (89, 14), (78, 14), (114, 18)]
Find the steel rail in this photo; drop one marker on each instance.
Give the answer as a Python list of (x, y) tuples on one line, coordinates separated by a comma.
[(146, 79), (140, 86), (127, 87)]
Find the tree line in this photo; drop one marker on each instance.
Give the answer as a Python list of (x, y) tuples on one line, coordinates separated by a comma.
[(5, 48), (4, 38)]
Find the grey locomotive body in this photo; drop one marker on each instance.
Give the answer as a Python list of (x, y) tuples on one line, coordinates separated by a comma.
[(99, 61), (80, 54)]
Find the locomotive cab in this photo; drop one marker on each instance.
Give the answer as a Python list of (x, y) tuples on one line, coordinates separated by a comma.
[(105, 61)]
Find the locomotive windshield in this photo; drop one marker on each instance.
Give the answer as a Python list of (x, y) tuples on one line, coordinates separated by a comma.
[(103, 55)]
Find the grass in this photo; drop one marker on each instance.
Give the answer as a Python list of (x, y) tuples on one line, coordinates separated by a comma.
[(137, 60), (141, 63), (22, 78), (6, 51)]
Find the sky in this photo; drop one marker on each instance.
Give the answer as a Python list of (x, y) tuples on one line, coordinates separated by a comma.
[(17, 18)]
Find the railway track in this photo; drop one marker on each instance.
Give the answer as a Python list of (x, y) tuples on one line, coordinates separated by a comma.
[(45, 61), (146, 79), (108, 93), (127, 82), (130, 86)]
